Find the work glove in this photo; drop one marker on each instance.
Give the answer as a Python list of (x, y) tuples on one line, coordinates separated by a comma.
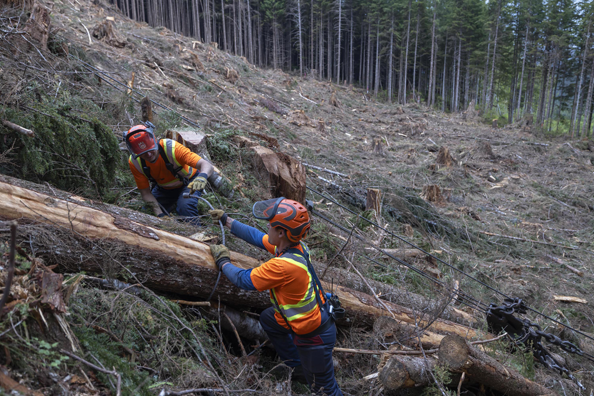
[(199, 183), (221, 254), (218, 214)]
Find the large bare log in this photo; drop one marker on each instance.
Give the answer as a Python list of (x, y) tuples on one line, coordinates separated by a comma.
[(459, 356), (79, 237)]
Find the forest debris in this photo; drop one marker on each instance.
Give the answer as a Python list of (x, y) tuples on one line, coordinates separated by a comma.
[(444, 157), (193, 303), (38, 25), (195, 61), (51, 291), (321, 126), (18, 128), (408, 231), (299, 118), (432, 193), (325, 170), (501, 184), (146, 108), (528, 240), (231, 75), (309, 100), (272, 106), (460, 356), (106, 32), (131, 84), (574, 270), (334, 100), (11, 385), (272, 142), (570, 299)]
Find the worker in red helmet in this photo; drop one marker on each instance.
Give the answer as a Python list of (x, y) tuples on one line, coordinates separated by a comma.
[(172, 169), (299, 323)]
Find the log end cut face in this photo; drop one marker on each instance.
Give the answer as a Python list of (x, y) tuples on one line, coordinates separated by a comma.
[(394, 375), (453, 350)]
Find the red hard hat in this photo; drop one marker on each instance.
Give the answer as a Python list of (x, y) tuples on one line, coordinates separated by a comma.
[(285, 213), (140, 139)]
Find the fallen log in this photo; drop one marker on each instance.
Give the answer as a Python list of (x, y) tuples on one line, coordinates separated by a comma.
[(81, 238), (406, 372), (460, 357)]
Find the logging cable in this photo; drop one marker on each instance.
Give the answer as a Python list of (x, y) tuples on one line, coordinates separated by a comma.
[(223, 240), (430, 255)]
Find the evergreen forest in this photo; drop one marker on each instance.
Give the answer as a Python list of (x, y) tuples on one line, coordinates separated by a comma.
[(510, 59)]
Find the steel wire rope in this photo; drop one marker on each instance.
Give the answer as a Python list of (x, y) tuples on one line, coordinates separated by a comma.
[(447, 264), (469, 301)]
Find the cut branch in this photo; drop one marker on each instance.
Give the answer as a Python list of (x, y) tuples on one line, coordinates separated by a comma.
[(18, 128)]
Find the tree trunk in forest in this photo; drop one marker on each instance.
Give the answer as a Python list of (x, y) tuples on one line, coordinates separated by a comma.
[(224, 25), (321, 37), (519, 115), (491, 91), (575, 109), (339, 42), (300, 36), (457, 89), (414, 88), (312, 65), (249, 31), (391, 59), (588, 109), (404, 82), (329, 45), (486, 75), (543, 91), (368, 69), (81, 238), (351, 54), (467, 81), (377, 60), (234, 22), (443, 80), (459, 356), (430, 95)]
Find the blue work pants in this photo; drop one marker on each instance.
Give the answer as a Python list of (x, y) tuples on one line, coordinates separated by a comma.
[(173, 199), (314, 354)]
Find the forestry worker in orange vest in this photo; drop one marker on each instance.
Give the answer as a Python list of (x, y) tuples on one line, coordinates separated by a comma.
[(171, 167), (299, 324)]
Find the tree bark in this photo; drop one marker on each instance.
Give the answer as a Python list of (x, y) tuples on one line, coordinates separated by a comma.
[(430, 98), (391, 60), (79, 237), (460, 357), (402, 372), (415, 59), (575, 109), (406, 56), (491, 82)]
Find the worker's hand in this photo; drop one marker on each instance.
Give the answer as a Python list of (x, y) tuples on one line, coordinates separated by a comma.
[(221, 254), (199, 183), (218, 214)]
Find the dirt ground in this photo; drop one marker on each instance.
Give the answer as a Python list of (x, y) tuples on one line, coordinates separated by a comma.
[(513, 207)]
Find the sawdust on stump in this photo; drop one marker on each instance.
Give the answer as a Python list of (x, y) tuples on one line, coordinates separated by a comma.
[(444, 158), (107, 33), (38, 25), (432, 193)]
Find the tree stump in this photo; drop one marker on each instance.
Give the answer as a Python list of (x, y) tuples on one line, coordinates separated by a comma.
[(195, 61), (231, 75), (146, 108), (321, 126), (373, 200), (494, 123), (334, 100), (432, 193), (444, 157), (107, 33), (192, 139), (38, 25), (377, 146), (460, 357), (284, 175)]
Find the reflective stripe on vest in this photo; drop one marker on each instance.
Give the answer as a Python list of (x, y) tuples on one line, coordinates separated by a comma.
[(308, 303), (170, 153)]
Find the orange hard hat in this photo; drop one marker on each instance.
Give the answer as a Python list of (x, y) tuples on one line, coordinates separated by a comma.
[(141, 139), (285, 213)]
